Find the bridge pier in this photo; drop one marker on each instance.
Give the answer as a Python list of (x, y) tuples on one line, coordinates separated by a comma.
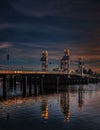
[(24, 86), (57, 84), (4, 88), (37, 85), (30, 85), (21, 82), (41, 85), (35, 89), (14, 82), (11, 81)]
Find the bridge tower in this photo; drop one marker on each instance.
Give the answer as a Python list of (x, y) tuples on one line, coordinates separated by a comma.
[(44, 60), (65, 62)]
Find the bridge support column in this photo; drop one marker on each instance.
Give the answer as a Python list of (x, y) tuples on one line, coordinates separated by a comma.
[(41, 85), (57, 83), (35, 89), (36, 85), (24, 86), (14, 82), (30, 85), (21, 82), (10, 81), (4, 88)]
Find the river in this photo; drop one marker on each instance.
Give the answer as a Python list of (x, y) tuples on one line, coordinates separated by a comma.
[(76, 107)]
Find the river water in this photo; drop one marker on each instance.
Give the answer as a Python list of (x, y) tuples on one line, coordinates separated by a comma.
[(77, 107)]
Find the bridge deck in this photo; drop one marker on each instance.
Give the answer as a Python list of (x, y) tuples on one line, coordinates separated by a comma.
[(27, 72)]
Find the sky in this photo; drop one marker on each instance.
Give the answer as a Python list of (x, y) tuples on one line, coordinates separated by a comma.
[(29, 26)]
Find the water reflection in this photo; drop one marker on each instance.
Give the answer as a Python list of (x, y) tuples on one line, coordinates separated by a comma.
[(65, 105), (55, 108), (44, 109), (8, 116), (80, 97)]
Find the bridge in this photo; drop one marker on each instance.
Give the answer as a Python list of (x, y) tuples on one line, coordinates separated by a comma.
[(40, 80)]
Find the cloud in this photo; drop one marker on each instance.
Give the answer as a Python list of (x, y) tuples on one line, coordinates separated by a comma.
[(6, 26), (5, 45), (33, 8), (70, 9)]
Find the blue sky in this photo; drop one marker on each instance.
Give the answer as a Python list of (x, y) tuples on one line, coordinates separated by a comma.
[(29, 26)]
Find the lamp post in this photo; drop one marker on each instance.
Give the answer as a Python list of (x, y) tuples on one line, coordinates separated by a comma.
[(8, 58)]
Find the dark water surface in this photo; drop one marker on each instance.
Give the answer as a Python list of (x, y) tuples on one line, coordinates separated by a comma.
[(77, 107)]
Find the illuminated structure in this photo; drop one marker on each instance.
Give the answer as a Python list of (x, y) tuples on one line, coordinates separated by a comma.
[(80, 65), (44, 61), (65, 62)]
